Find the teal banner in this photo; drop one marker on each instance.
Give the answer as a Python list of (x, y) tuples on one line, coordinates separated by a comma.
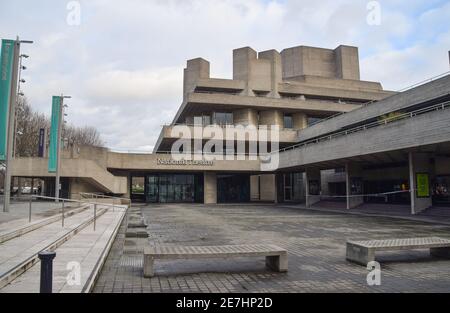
[(6, 59), (53, 151)]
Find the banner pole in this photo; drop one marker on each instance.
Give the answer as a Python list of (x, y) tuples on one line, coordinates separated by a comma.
[(58, 149), (10, 132)]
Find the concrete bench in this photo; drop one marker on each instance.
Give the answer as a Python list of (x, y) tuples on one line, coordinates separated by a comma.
[(276, 257), (362, 252)]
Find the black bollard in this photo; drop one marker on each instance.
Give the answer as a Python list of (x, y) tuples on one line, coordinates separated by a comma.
[(46, 258)]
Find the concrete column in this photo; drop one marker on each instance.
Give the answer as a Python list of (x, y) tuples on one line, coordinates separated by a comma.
[(347, 62), (245, 117), (42, 187), (210, 188), (243, 62), (300, 120), (19, 186), (419, 163), (271, 117), (354, 185), (195, 69), (254, 188), (268, 187), (313, 184), (128, 194), (274, 57)]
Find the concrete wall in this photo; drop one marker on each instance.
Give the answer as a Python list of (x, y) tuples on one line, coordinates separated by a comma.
[(274, 58), (254, 188), (245, 117), (73, 168), (342, 62), (271, 117), (300, 120), (78, 185), (347, 62), (268, 187), (196, 69)]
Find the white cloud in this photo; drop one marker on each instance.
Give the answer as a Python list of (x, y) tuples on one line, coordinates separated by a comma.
[(123, 65)]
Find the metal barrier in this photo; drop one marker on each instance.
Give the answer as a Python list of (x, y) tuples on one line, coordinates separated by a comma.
[(64, 201), (92, 195)]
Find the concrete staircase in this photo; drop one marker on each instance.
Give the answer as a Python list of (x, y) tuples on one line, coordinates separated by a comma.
[(75, 168)]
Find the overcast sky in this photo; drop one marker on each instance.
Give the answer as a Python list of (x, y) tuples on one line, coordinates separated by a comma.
[(123, 63)]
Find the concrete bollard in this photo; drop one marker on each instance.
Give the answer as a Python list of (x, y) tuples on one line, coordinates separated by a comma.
[(46, 284)]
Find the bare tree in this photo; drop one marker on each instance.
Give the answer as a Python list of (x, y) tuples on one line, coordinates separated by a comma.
[(28, 124), (83, 135)]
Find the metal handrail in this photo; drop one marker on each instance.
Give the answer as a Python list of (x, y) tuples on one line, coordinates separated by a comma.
[(440, 106), (65, 200), (372, 101), (424, 81), (98, 195), (226, 126)]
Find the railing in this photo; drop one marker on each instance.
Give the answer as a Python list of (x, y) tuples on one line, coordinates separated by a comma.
[(64, 201), (372, 101), (425, 81), (258, 127), (96, 196), (130, 151), (440, 106), (223, 153)]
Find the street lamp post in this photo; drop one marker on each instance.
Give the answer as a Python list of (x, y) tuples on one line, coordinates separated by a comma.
[(11, 124), (19, 93)]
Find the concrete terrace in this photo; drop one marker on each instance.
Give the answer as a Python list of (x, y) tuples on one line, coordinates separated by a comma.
[(315, 242)]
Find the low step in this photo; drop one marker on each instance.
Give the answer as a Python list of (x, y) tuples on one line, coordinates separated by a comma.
[(136, 234)]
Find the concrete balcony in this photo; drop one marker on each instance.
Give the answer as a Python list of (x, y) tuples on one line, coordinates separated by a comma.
[(218, 84), (428, 132), (356, 94)]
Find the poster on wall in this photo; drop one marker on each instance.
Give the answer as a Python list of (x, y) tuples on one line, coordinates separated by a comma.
[(423, 185)]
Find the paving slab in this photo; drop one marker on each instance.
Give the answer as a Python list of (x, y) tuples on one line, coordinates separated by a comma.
[(315, 241)]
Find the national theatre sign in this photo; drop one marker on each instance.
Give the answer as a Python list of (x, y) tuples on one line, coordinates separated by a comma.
[(185, 162)]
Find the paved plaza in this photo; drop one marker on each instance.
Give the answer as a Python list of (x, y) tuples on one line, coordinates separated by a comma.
[(315, 242)]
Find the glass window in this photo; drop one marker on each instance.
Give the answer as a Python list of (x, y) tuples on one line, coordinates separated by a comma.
[(288, 123), (166, 188), (313, 120), (222, 118)]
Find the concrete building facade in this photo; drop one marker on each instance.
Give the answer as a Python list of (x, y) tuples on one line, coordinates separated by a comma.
[(300, 94)]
